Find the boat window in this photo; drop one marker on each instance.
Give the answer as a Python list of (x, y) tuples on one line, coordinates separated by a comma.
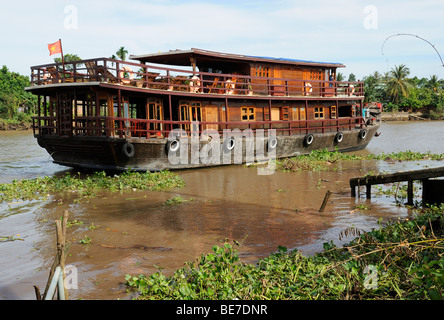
[(248, 114), (285, 113), (316, 74), (333, 112), (319, 112), (262, 71)]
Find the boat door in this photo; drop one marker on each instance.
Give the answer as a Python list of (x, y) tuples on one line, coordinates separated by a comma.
[(189, 112), (278, 87), (211, 115), (298, 114), (122, 111), (64, 109), (154, 112), (275, 114)]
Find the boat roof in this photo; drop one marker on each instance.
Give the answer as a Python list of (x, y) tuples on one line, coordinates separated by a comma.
[(183, 58)]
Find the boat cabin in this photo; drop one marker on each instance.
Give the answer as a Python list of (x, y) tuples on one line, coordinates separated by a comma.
[(159, 92)]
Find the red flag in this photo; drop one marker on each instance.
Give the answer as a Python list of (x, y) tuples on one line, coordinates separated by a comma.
[(55, 47)]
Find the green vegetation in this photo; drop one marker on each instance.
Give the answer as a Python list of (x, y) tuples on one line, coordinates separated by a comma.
[(121, 53), (85, 240), (398, 92), (69, 58), (87, 186), (176, 201), (403, 260), (15, 103), (321, 160)]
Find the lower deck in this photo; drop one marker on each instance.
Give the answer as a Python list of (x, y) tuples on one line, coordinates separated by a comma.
[(95, 111)]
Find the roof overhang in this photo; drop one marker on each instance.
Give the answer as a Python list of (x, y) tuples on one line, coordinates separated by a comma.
[(183, 58)]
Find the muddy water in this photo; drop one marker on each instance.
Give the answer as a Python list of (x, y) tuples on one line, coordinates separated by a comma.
[(135, 232)]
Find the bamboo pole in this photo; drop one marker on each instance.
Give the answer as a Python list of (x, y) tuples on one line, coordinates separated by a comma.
[(60, 257)]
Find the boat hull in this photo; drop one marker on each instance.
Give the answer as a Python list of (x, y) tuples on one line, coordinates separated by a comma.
[(139, 154)]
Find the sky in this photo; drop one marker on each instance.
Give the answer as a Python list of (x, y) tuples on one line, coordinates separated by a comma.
[(355, 33)]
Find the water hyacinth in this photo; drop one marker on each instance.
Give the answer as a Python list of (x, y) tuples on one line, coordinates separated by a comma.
[(318, 160), (87, 185), (402, 260)]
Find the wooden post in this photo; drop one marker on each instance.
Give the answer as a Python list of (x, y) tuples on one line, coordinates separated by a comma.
[(37, 293), (410, 192), (368, 191), (324, 203)]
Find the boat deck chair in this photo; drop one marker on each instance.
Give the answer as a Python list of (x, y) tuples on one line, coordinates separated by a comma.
[(54, 74), (213, 85), (108, 75), (93, 73)]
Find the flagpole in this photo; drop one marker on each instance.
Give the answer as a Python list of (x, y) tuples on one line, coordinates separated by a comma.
[(63, 59)]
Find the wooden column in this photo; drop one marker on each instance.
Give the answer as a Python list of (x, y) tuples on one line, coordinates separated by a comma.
[(410, 192), (171, 112), (119, 111)]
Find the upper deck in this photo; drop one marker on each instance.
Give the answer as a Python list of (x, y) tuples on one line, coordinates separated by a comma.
[(208, 73)]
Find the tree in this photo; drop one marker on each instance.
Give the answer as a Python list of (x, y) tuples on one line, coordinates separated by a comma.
[(68, 59), (339, 77), (433, 83), (121, 53), (13, 95), (398, 86)]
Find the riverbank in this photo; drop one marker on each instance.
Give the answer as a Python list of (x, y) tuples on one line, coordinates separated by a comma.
[(12, 125), (409, 116)]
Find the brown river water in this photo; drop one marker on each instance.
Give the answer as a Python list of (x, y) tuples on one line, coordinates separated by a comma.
[(137, 233)]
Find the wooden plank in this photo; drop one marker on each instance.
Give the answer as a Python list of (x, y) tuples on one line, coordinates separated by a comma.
[(398, 176), (408, 176)]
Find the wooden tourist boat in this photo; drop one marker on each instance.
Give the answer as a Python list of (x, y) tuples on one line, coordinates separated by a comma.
[(116, 115)]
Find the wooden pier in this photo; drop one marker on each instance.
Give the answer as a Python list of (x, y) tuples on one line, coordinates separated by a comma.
[(432, 189)]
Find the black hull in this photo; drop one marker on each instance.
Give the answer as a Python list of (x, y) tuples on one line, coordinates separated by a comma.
[(139, 154)]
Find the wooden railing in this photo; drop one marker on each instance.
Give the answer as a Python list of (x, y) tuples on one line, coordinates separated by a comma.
[(128, 127), (162, 78)]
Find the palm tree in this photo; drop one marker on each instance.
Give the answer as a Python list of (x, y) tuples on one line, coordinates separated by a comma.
[(377, 76), (121, 53), (433, 83), (398, 85)]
